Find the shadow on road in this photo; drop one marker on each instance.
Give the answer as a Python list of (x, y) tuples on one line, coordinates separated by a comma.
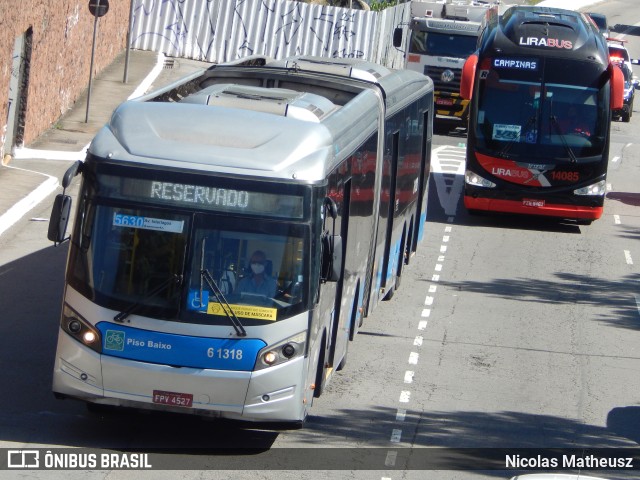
[(32, 290)]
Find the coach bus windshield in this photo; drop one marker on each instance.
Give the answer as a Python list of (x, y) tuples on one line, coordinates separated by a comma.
[(559, 116), (131, 252)]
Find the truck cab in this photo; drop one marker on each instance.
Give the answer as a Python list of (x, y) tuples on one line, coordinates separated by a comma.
[(439, 38)]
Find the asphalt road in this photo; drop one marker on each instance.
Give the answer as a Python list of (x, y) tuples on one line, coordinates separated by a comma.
[(506, 333)]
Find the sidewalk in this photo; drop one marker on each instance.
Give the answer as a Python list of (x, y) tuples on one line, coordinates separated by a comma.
[(35, 171)]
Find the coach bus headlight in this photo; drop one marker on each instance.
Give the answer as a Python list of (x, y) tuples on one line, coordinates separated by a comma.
[(80, 329), (595, 189), (477, 181), (281, 352)]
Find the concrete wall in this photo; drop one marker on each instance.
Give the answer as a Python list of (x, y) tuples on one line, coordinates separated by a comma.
[(61, 38)]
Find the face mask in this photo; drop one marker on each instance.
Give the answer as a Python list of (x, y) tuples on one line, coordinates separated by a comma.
[(257, 268)]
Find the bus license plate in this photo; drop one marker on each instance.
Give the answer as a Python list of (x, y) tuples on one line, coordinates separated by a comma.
[(444, 101), (173, 398), (528, 202)]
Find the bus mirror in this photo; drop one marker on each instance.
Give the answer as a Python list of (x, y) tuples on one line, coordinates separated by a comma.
[(331, 207), (468, 76), (331, 266), (71, 172), (397, 37), (617, 87), (59, 218)]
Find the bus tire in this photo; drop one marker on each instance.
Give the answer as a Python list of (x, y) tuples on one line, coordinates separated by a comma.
[(99, 409), (390, 294), (343, 362), (319, 388), (288, 425), (352, 329)]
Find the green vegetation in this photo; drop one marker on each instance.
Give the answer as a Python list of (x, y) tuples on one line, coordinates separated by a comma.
[(377, 6)]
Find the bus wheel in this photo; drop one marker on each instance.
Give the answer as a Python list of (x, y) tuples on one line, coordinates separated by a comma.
[(389, 294), (292, 425), (343, 362), (99, 409), (352, 329), (319, 388)]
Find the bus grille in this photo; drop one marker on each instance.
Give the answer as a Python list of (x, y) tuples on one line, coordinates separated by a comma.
[(436, 75)]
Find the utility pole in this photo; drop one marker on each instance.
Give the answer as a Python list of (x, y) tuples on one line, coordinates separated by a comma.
[(98, 8), (126, 56)]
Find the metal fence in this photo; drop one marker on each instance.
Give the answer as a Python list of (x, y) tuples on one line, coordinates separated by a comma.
[(219, 31)]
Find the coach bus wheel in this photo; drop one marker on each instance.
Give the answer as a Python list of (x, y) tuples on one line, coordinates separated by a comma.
[(475, 213), (584, 222)]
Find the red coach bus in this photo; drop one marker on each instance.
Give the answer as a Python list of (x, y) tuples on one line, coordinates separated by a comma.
[(542, 89)]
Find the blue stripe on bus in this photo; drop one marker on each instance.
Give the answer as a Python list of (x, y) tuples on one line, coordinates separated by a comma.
[(423, 219), (178, 350)]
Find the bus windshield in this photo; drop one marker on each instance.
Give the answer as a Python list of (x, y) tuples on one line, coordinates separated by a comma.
[(152, 259), (257, 267), (442, 44), (562, 117)]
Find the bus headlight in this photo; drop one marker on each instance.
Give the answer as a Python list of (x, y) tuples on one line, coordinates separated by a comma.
[(292, 347), (598, 188), (80, 329), (476, 180)]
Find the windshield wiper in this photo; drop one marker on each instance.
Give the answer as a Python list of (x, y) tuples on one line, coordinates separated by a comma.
[(237, 326), (172, 280), (555, 123)]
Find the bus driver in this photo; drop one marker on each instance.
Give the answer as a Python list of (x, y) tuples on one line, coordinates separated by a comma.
[(258, 282)]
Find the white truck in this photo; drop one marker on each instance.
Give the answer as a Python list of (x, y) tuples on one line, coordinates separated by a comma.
[(441, 35)]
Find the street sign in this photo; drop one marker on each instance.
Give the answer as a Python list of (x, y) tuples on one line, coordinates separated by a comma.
[(98, 8)]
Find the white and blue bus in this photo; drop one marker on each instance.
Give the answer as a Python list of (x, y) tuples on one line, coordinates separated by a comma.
[(233, 230)]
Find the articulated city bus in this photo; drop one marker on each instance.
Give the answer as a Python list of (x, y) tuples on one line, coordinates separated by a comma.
[(542, 90), (232, 231)]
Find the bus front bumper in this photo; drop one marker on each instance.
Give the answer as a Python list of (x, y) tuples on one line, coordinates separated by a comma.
[(533, 206), (265, 395)]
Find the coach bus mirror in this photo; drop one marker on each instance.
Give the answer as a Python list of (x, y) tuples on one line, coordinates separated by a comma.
[(468, 76), (617, 87), (397, 37), (71, 172), (59, 218)]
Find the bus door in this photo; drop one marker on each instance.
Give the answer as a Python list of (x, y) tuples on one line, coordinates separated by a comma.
[(342, 315)]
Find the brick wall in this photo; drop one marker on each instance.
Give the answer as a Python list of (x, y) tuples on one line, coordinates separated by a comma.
[(60, 54)]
